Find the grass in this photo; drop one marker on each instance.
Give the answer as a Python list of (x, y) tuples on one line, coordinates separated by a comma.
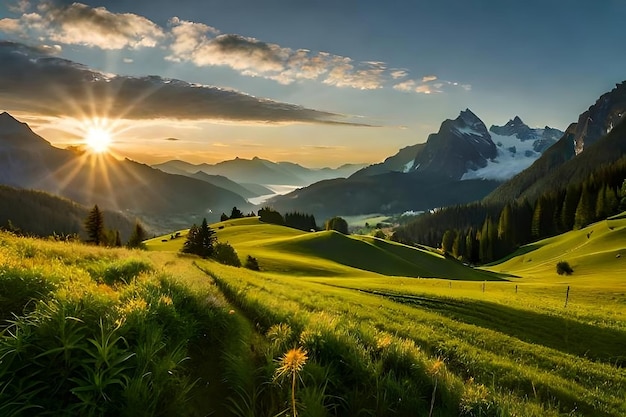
[(496, 341), (290, 251), (597, 254)]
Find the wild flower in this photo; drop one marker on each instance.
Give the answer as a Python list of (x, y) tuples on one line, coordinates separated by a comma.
[(383, 341), (166, 300), (434, 371), (291, 364)]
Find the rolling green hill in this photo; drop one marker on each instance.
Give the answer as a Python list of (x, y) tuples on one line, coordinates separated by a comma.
[(328, 253), (597, 254)]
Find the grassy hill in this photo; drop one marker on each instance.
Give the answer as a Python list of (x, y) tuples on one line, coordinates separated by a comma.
[(597, 254), (131, 331), (328, 253)]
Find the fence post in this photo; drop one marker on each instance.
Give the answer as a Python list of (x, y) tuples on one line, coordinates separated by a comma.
[(515, 288), (484, 282), (566, 296)]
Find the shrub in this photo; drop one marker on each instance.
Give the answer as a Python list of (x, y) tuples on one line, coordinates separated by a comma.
[(564, 268), (252, 263), (225, 254), (337, 223)]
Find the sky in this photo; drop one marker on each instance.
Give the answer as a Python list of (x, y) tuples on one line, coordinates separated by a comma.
[(320, 83)]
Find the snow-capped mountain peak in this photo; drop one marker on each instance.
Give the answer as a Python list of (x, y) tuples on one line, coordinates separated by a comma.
[(518, 146)]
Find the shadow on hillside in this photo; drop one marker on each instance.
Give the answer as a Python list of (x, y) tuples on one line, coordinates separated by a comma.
[(383, 257), (565, 335)]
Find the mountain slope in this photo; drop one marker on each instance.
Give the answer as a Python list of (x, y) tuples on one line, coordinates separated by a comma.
[(400, 162), (389, 193), (599, 122), (42, 214), (28, 161), (225, 183)]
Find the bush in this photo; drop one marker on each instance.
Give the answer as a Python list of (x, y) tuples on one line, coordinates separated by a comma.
[(252, 263), (225, 254), (564, 268), (337, 223)]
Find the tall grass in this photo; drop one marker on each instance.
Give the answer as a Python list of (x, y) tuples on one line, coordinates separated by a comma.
[(88, 331)]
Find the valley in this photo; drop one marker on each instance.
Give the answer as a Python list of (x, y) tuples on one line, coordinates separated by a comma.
[(487, 341), (312, 209)]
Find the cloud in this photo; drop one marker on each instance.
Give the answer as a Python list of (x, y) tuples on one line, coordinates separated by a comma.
[(172, 139), (398, 73), (19, 6), (35, 81), (128, 60), (406, 86), (10, 25), (204, 46), (429, 86), (79, 24)]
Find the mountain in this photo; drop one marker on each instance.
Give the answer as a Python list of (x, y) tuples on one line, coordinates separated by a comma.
[(400, 162), (575, 154), (390, 193), (464, 149), (518, 146), (42, 214), (225, 183), (431, 174), (261, 171), (460, 145), (161, 200)]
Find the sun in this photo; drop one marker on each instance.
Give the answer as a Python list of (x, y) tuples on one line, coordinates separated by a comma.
[(98, 139)]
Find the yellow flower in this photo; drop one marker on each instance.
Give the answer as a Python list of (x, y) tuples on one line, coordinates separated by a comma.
[(292, 362), (165, 299), (435, 368)]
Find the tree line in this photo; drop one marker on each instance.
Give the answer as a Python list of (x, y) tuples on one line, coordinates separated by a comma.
[(99, 235), (485, 232)]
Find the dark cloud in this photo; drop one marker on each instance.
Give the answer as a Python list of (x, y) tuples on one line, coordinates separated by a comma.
[(172, 139), (37, 82)]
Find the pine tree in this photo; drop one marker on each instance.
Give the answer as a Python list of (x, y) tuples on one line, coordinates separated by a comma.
[(471, 246), (584, 211), (488, 237), (236, 213), (200, 240), (506, 231), (601, 209), (458, 246), (118, 239), (448, 240), (536, 230), (223, 217), (612, 203), (137, 237), (622, 196), (572, 197), (94, 226)]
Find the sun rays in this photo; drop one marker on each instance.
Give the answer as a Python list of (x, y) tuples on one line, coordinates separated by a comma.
[(98, 139)]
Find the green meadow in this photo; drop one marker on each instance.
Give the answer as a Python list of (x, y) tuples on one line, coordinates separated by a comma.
[(387, 329)]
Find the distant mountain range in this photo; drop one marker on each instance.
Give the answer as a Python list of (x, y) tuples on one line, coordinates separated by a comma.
[(162, 200), (464, 161), (261, 171), (460, 163)]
